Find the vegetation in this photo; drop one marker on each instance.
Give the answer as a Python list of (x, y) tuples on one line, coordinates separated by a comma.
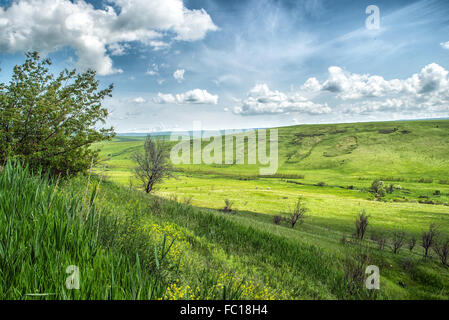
[(51, 121), (153, 165), (297, 214), (412, 163), (361, 224)]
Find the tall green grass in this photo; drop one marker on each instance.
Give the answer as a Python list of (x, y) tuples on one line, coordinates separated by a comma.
[(45, 228)]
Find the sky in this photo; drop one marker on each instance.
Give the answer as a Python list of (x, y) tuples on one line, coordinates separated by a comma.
[(246, 63)]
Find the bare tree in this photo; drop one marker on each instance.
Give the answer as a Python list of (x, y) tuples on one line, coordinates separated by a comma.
[(441, 248), (361, 223), (412, 243), (398, 241), (428, 239), (153, 165), (297, 213)]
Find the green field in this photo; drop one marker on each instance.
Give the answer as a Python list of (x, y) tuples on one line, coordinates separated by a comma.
[(332, 168)]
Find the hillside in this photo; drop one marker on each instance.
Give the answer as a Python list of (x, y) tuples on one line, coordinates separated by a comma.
[(332, 167)]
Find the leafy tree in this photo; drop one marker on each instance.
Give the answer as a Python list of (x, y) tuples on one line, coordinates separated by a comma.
[(51, 121), (378, 188), (153, 165)]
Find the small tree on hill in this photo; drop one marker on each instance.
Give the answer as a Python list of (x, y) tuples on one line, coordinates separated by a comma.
[(428, 239), (153, 165), (51, 121), (398, 240), (441, 248), (361, 224), (297, 214)]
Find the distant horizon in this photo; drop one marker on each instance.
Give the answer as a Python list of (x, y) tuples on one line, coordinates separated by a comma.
[(294, 125)]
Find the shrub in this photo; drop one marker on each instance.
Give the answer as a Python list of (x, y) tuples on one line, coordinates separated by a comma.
[(51, 121), (228, 205), (397, 241), (354, 271), (277, 219), (437, 193), (361, 224), (380, 239), (428, 239), (378, 188), (390, 188), (441, 248), (321, 184), (296, 214)]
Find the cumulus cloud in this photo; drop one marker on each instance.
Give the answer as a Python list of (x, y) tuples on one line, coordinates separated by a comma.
[(139, 100), (179, 75), (427, 90), (261, 100), (49, 25), (196, 96)]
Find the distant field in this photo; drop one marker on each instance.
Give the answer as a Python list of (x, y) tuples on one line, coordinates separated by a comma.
[(332, 167)]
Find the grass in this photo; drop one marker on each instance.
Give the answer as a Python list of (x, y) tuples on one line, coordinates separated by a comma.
[(332, 167), (179, 244)]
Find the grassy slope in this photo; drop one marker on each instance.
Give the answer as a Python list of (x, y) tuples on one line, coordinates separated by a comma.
[(341, 156)]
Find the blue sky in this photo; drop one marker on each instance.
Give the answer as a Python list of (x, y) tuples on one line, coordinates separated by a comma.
[(240, 64)]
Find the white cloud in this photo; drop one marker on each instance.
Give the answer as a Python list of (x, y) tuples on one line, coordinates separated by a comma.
[(49, 25), (261, 100), (427, 90), (179, 75), (139, 100), (445, 45), (117, 49), (196, 96), (165, 98)]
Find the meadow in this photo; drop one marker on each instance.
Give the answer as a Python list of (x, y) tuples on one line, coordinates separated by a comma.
[(332, 167), (178, 243)]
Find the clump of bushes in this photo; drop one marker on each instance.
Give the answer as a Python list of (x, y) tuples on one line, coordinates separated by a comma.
[(321, 184), (378, 187)]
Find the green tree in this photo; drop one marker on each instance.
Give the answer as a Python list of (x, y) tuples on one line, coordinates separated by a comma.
[(51, 121), (378, 188)]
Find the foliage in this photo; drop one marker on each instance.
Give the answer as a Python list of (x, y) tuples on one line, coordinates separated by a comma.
[(45, 227), (51, 121), (378, 188)]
